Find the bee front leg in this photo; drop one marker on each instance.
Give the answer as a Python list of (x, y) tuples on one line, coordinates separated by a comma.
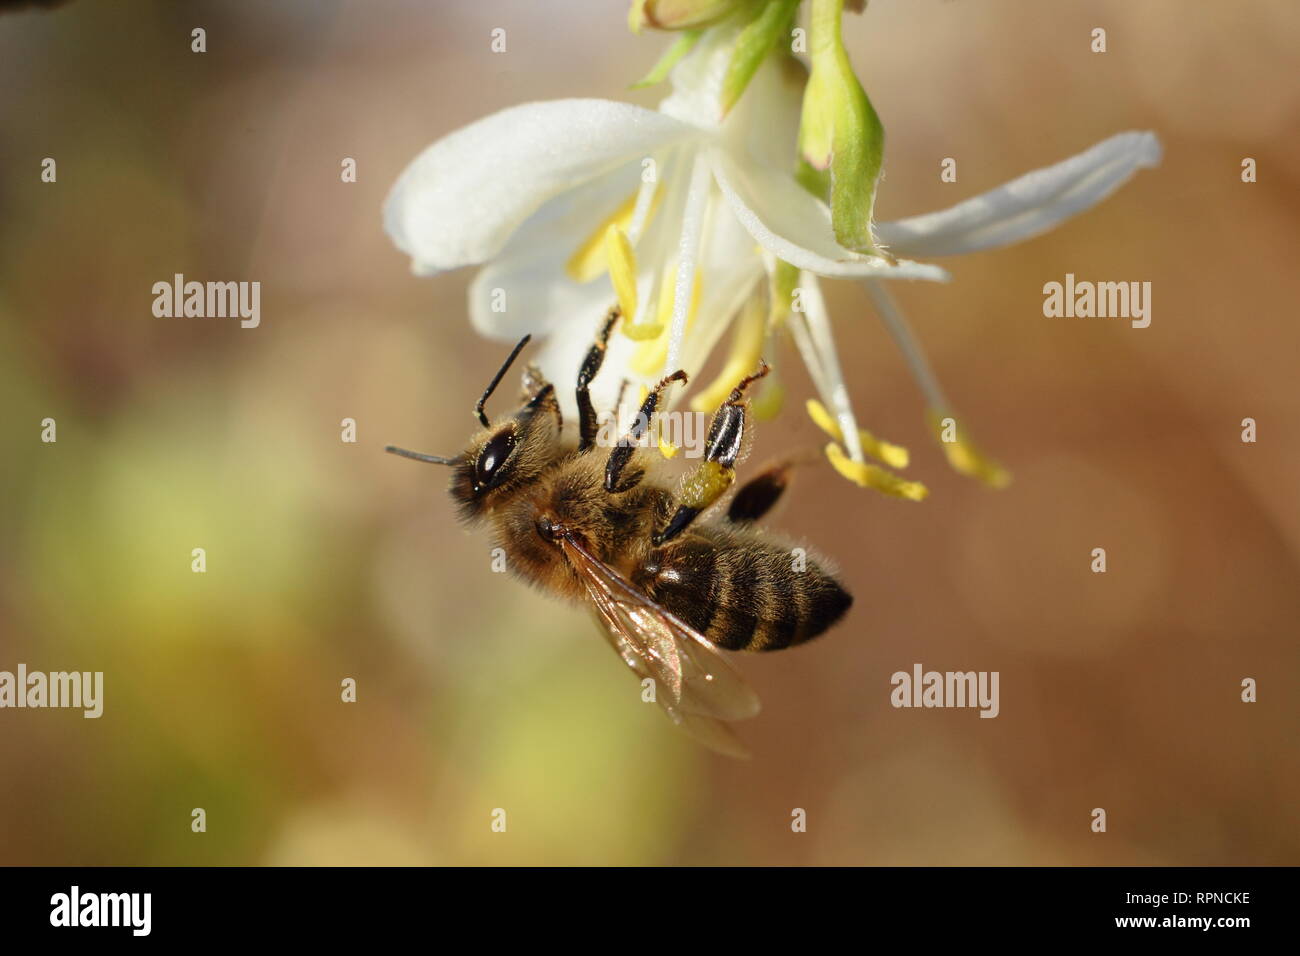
[(707, 483), (590, 366), (615, 479), (535, 389)]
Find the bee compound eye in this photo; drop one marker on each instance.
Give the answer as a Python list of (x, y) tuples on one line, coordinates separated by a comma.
[(491, 458)]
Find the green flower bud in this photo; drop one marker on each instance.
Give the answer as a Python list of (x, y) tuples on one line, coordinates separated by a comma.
[(678, 14), (839, 130), (770, 22)]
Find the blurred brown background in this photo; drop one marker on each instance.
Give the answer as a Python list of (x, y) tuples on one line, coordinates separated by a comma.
[(329, 560)]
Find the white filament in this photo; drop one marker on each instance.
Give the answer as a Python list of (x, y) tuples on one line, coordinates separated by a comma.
[(831, 378), (688, 250), (908, 345)]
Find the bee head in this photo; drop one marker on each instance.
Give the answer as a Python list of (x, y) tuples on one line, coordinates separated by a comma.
[(504, 455), (507, 455)]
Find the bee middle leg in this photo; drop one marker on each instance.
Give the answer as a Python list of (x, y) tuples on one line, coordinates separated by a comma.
[(618, 477), (714, 475)]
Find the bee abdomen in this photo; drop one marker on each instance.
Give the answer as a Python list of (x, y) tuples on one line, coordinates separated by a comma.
[(747, 597)]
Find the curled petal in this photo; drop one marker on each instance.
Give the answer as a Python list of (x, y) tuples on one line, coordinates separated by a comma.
[(459, 201), (794, 226), (1024, 207)]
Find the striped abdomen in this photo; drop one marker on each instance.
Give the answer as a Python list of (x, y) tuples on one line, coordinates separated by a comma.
[(743, 593)]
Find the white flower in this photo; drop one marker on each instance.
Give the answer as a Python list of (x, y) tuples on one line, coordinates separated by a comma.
[(710, 207), (525, 188)]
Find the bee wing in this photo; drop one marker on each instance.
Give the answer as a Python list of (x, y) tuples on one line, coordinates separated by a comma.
[(694, 681), (712, 732)]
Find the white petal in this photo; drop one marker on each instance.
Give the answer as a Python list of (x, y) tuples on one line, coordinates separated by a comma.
[(793, 225), (525, 288), (765, 121), (511, 298), (458, 202), (1027, 206), (730, 264), (697, 80), (562, 353)]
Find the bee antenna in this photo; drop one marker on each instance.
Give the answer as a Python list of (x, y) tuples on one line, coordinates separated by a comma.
[(496, 380), (431, 459)]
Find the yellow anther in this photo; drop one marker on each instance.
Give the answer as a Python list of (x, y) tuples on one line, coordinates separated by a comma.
[(824, 420), (643, 331), (964, 456), (590, 260), (896, 456), (650, 330), (622, 271), (874, 477), (746, 351), (648, 360)]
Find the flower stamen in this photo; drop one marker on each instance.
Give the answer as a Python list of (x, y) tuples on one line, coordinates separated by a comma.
[(813, 338), (963, 455), (688, 254), (896, 456), (746, 352), (875, 477), (590, 260), (651, 356), (622, 270)]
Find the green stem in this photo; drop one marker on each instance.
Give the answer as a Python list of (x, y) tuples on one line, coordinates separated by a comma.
[(824, 26)]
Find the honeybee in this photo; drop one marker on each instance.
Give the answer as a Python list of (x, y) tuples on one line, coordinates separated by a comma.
[(669, 583)]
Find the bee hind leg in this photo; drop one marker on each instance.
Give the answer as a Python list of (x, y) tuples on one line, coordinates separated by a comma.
[(760, 494), (714, 475)]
